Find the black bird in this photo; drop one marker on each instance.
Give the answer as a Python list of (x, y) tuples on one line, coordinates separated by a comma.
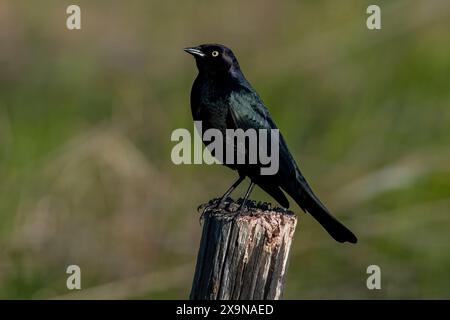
[(222, 98)]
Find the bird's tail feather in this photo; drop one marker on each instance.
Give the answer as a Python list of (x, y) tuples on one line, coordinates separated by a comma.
[(310, 203)]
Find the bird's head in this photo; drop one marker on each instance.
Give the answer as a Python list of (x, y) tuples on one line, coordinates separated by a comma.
[(213, 58)]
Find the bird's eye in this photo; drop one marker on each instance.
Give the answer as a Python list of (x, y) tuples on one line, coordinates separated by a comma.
[(215, 53)]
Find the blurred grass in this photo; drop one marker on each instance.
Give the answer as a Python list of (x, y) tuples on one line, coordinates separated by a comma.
[(86, 117)]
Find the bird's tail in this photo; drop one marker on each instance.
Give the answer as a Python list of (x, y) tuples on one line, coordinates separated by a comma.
[(309, 202)]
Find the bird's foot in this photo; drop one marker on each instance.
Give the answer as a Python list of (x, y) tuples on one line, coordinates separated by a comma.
[(240, 211), (202, 216), (223, 203), (212, 204)]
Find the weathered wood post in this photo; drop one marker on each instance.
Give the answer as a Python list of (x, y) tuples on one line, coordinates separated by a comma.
[(244, 257)]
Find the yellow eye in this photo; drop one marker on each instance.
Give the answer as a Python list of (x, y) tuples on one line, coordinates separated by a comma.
[(215, 53)]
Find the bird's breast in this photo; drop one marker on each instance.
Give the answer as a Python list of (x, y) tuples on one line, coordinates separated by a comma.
[(210, 104)]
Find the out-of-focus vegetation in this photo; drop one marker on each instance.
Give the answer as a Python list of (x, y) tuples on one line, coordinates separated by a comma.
[(86, 117)]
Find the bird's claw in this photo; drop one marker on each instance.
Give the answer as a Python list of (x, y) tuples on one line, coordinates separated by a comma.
[(240, 211), (202, 216), (214, 205)]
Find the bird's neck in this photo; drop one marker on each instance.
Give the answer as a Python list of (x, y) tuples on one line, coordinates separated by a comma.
[(233, 74)]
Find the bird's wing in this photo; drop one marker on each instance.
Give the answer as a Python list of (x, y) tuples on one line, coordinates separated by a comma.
[(248, 111)]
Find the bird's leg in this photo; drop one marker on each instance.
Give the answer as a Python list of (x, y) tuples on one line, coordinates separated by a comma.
[(224, 197), (247, 195), (230, 190)]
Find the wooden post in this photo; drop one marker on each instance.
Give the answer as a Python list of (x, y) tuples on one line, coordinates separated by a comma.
[(246, 257)]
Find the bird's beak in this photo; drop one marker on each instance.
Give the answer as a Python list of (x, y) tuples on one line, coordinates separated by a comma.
[(196, 52)]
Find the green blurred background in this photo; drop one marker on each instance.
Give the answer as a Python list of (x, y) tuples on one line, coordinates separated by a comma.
[(86, 118)]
